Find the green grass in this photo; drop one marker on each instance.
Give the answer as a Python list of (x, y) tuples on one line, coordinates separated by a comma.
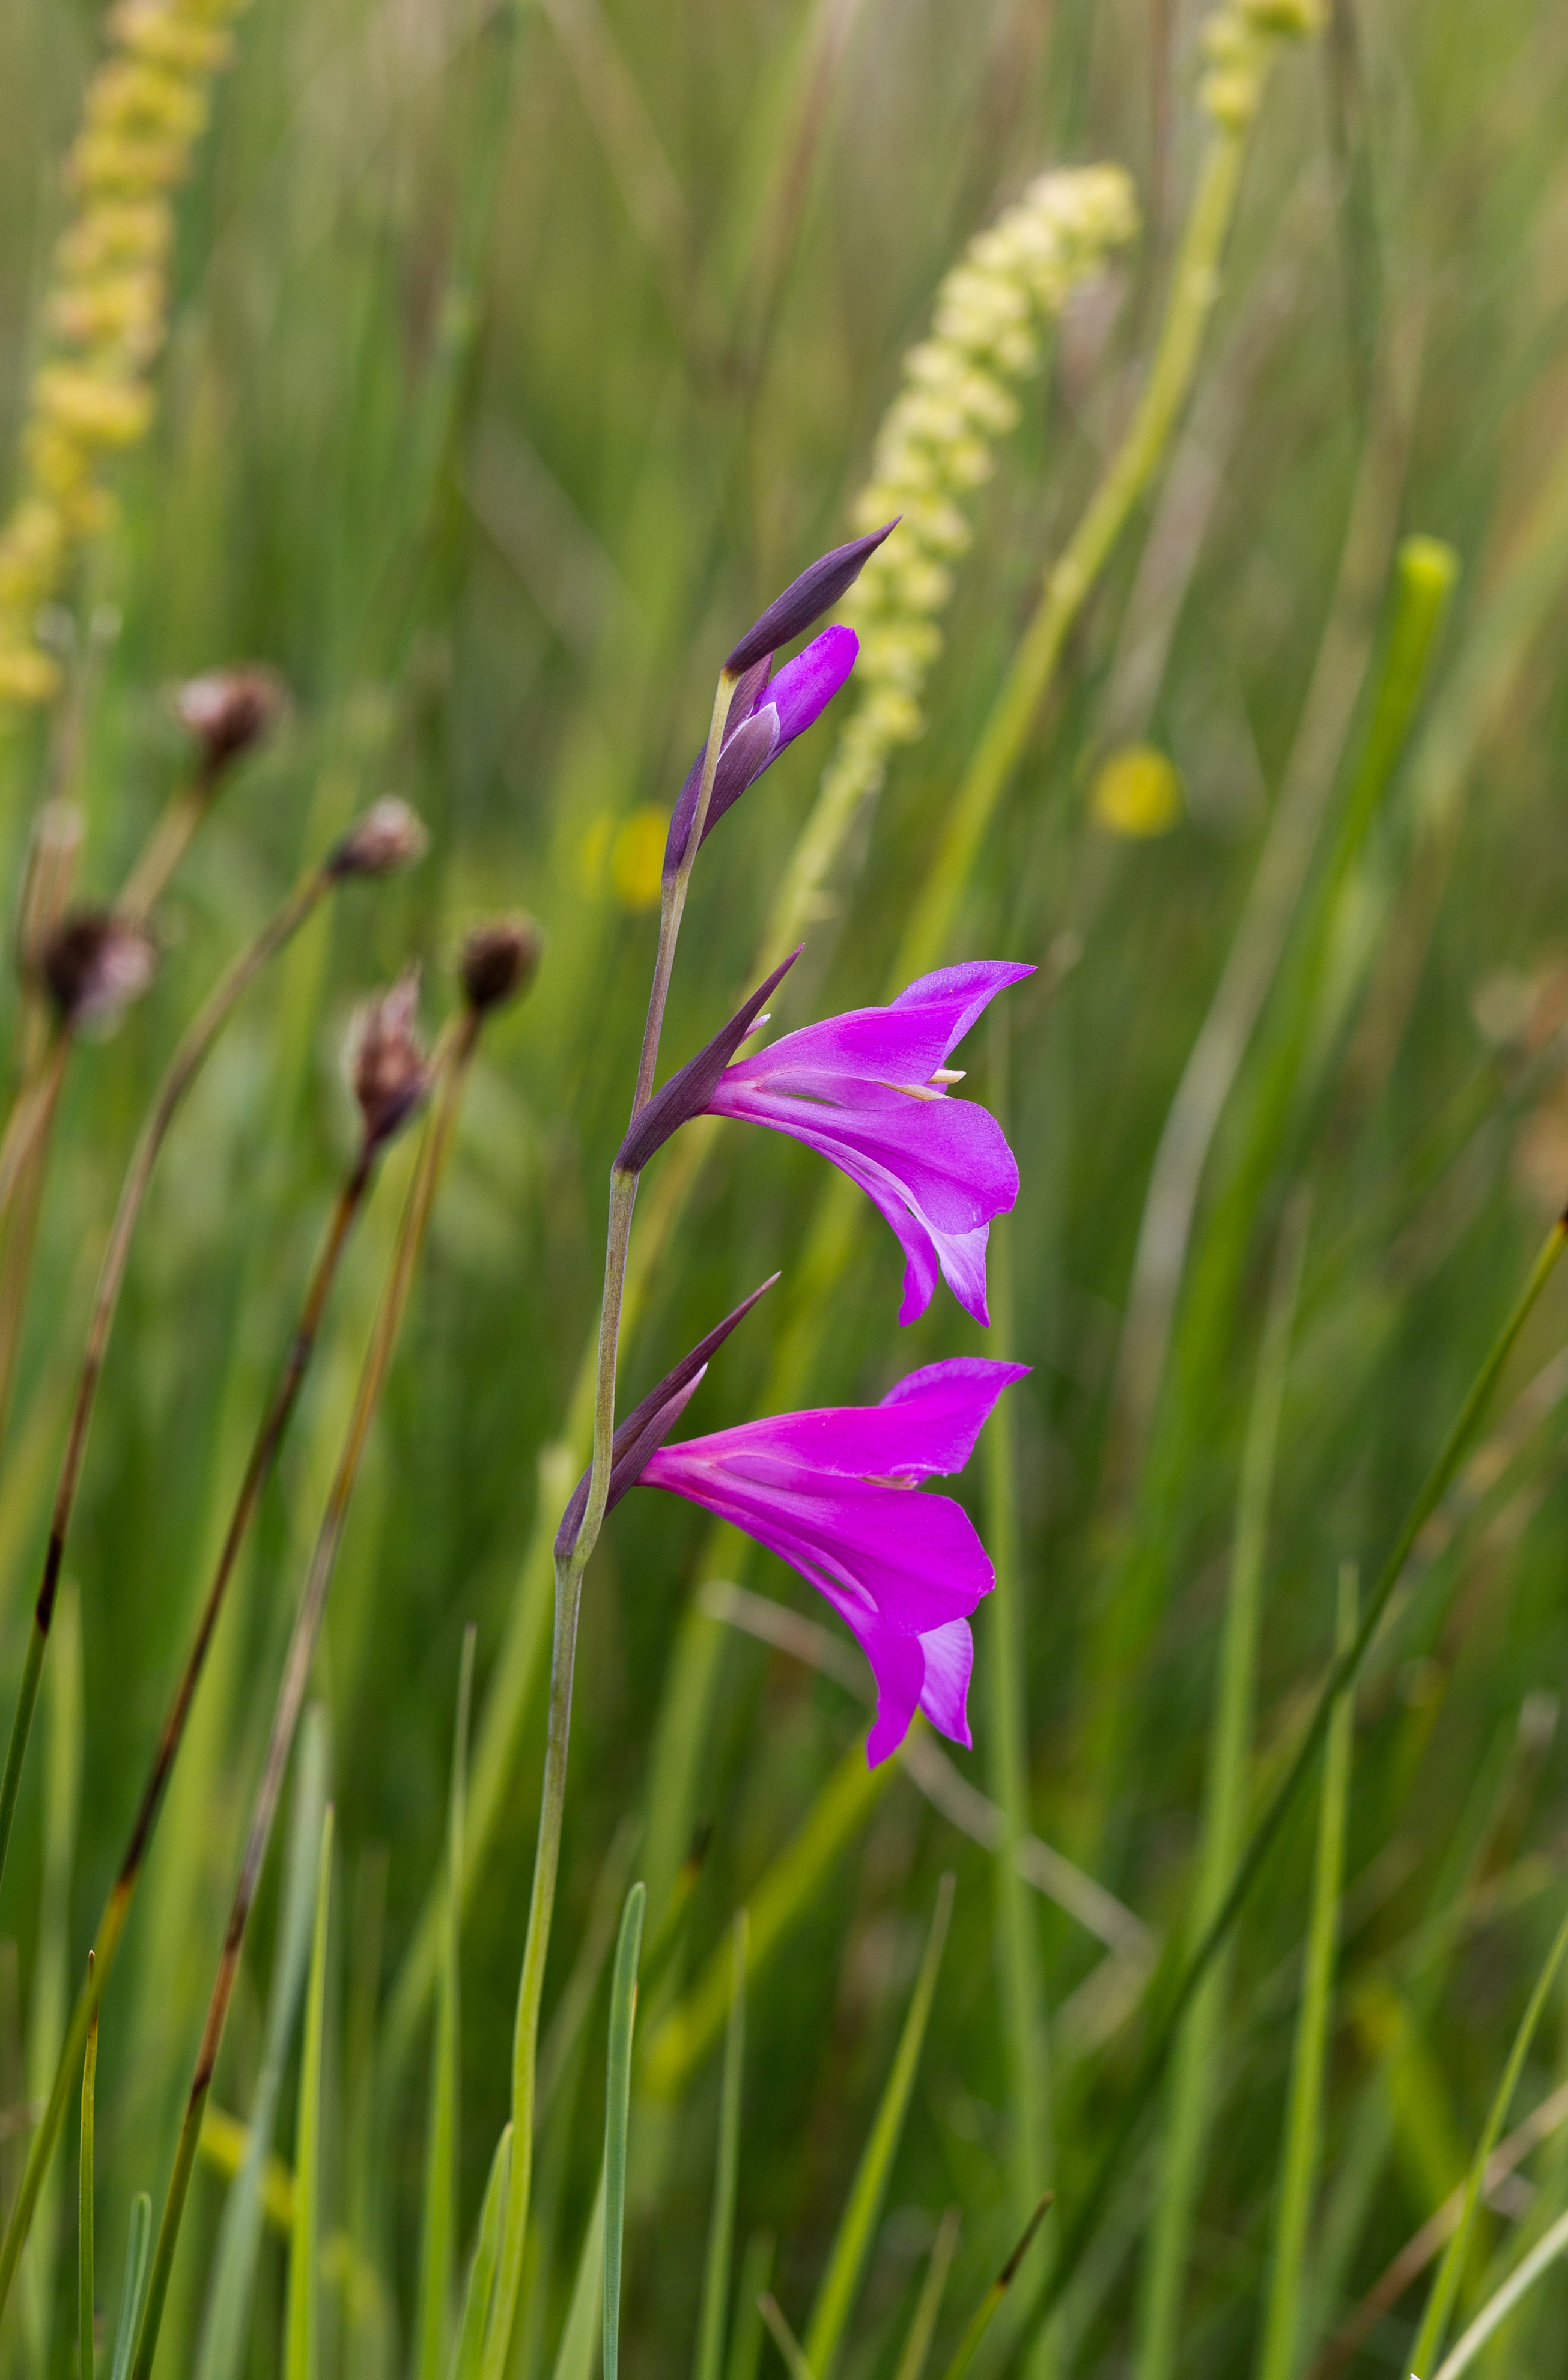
[(515, 358)]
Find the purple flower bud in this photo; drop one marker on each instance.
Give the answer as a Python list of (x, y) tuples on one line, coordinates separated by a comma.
[(765, 715), (815, 591), (689, 1092), (649, 1424), (93, 965), (385, 1061), (499, 960), (388, 837), (227, 711)]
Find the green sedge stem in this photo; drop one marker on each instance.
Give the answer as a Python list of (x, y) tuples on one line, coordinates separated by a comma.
[(84, 2195), (1342, 1673)]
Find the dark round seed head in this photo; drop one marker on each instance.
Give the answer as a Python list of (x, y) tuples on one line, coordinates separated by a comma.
[(93, 965), (499, 961), (227, 711)]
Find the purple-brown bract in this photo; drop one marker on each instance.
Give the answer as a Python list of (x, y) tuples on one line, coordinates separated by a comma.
[(867, 1090), (829, 1493)]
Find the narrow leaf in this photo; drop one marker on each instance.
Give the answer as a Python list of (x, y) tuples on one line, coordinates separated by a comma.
[(617, 2101), (133, 2288), (574, 2356), (756, 2272), (1303, 2128), (720, 2226), (225, 2323), (846, 2262), (481, 2272), (84, 2196), (439, 2232), (986, 2311), (918, 2343), (785, 2339), (301, 2336)]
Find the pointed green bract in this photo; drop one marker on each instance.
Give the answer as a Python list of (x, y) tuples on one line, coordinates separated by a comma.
[(617, 2106), (852, 2245), (438, 2234), (721, 2225), (302, 2325)]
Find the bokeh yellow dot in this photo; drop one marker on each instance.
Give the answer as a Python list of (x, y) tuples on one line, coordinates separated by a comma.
[(637, 857), (1135, 791)]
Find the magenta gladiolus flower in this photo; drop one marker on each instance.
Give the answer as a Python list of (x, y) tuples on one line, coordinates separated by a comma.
[(869, 1091), (765, 714), (829, 1492)]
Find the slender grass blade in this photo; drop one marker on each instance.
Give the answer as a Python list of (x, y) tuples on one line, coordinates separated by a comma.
[(469, 2349), (84, 2199), (720, 2227), (439, 2231), (302, 2332), (133, 2288), (918, 2340), (617, 2106), (846, 2260)]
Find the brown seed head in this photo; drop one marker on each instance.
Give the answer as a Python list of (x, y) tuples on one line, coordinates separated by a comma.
[(499, 961), (388, 837), (93, 965), (385, 1060), (228, 710)]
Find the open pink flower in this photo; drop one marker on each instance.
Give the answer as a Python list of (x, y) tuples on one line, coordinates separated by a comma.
[(869, 1091), (830, 1493)]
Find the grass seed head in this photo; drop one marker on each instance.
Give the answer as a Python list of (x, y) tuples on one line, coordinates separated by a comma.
[(389, 837), (93, 965), (385, 1059), (227, 711), (499, 961)]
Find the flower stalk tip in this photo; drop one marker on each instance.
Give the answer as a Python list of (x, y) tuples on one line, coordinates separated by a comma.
[(225, 711), (805, 600), (388, 838), (499, 961), (385, 1059), (764, 716), (93, 965)]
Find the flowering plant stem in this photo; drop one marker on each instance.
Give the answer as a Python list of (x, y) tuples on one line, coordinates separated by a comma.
[(454, 1067), (182, 1071), (117, 1911), (570, 1565)]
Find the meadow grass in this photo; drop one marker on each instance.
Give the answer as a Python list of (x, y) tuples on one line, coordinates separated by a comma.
[(512, 356)]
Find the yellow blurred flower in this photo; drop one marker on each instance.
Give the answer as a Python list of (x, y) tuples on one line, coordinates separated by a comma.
[(1135, 791), (637, 856)]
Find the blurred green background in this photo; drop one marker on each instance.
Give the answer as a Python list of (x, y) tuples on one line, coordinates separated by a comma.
[(516, 357)]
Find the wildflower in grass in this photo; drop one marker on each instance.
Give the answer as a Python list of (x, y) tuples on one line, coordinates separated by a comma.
[(385, 1062), (829, 1492), (869, 1091), (93, 965), (1136, 793), (765, 715)]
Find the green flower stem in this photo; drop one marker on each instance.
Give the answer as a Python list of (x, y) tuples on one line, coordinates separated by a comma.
[(183, 1069), (1342, 1674), (84, 2196), (301, 1654), (569, 1569)]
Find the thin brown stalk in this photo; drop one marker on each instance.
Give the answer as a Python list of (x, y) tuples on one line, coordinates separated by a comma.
[(117, 1911), (302, 1653), (180, 1074)]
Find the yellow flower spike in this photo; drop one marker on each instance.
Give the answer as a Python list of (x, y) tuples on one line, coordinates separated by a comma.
[(637, 856), (26, 676), (170, 37), (1136, 793), (125, 308), (92, 406), (135, 97), (118, 232)]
